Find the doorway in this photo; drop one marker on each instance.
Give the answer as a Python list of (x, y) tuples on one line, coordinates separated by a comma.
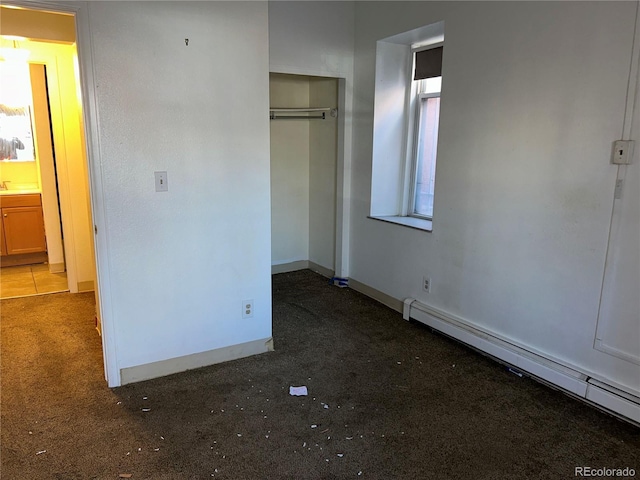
[(47, 42), (32, 262), (304, 153)]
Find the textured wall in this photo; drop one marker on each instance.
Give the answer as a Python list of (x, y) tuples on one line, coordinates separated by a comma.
[(181, 262)]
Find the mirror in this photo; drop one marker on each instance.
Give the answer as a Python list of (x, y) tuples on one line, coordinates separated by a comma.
[(16, 126), (16, 135)]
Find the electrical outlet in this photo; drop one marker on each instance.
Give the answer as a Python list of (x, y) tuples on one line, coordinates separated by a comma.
[(426, 284), (247, 309)]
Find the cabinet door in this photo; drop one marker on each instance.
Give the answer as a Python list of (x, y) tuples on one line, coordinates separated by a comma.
[(3, 246), (24, 230)]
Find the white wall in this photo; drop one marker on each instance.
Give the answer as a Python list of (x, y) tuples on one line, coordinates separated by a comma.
[(311, 38), (533, 95), (181, 262), (289, 172), (390, 134)]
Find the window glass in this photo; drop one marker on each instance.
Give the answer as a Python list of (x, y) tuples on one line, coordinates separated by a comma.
[(426, 152)]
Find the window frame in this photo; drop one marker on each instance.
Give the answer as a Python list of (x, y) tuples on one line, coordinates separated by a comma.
[(413, 186), (414, 110), (392, 123)]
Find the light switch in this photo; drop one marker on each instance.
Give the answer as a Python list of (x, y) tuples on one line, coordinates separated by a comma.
[(161, 182), (622, 152)]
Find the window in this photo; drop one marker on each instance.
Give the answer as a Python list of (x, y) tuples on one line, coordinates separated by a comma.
[(406, 116), (426, 91)]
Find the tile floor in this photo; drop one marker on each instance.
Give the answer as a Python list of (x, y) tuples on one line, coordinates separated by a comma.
[(30, 280)]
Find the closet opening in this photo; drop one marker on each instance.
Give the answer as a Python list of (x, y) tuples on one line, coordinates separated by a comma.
[(304, 118)]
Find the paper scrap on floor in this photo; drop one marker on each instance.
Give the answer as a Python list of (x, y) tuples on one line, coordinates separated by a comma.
[(298, 391)]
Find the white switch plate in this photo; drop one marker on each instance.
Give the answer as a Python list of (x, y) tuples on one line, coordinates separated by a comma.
[(622, 152), (161, 182)]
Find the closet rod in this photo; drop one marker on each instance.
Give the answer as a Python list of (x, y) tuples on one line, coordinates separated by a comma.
[(297, 117), (273, 113), (300, 110)]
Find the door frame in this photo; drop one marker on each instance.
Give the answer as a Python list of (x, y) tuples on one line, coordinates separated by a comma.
[(343, 164), (47, 171)]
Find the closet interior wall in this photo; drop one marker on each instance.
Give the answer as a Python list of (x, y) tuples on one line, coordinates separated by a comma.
[(303, 175)]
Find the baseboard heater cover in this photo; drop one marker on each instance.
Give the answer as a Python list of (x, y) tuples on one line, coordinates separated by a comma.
[(571, 381)]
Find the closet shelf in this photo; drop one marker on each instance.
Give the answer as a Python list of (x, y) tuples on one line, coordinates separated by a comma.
[(285, 113)]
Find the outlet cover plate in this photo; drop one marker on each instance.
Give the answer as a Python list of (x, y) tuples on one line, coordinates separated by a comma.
[(247, 308)]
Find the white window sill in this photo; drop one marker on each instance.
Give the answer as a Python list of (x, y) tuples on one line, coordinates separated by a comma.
[(411, 222)]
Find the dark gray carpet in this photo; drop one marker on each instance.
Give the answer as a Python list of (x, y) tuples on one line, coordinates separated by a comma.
[(402, 401)]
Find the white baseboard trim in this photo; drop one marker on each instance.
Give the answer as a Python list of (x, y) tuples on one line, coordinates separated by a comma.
[(86, 286), (302, 265), (56, 267), (290, 267), (324, 271), (575, 382), (196, 360), (383, 298), (620, 404)]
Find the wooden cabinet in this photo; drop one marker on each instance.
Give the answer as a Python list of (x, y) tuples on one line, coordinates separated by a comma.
[(3, 246), (22, 224)]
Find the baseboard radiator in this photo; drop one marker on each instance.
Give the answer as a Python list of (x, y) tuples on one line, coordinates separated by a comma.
[(577, 384)]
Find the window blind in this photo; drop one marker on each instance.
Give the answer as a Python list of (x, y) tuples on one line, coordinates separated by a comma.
[(428, 63)]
